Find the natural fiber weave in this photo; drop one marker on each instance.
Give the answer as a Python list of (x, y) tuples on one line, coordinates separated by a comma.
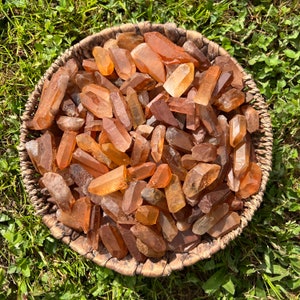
[(174, 261)]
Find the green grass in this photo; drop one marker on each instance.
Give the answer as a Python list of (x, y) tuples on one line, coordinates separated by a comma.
[(264, 262)]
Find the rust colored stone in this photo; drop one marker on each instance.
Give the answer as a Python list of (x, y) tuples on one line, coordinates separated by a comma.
[(93, 235), (188, 161), (179, 139), (155, 197), (132, 198), (140, 150), (141, 171), (237, 129), (79, 216), (66, 123), (168, 226), (113, 241), (241, 158), (252, 118), (149, 62), (157, 142), (129, 40), (205, 152), (230, 100), (110, 182), (89, 65), (147, 214), (65, 149), (139, 82), (147, 250), (209, 119), (80, 176), (103, 60), (199, 178)]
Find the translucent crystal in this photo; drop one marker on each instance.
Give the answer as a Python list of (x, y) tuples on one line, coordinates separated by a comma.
[(161, 177), (205, 152), (107, 183), (174, 195), (66, 123), (157, 142), (139, 82), (140, 150), (103, 60), (230, 100), (79, 216), (142, 171), (147, 214), (252, 118), (129, 40), (115, 155), (241, 158), (178, 82), (148, 61), (199, 178), (237, 129), (222, 84), (80, 176), (168, 226), (65, 149), (179, 139), (93, 235)]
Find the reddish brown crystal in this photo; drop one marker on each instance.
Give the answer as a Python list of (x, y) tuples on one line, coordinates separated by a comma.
[(205, 152), (230, 100), (237, 129), (109, 182), (140, 150), (66, 123), (79, 216), (113, 241), (147, 214), (252, 118), (161, 177), (65, 149), (157, 142), (179, 139), (129, 40), (147, 61), (155, 197)]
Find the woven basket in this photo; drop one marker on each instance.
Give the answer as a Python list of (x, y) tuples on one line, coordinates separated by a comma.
[(172, 261)]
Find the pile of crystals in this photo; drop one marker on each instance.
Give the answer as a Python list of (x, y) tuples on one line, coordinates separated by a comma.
[(146, 147)]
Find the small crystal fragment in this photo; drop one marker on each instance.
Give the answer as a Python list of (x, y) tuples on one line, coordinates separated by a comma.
[(181, 105), (155, 197), (188, 161), (207, 86), (222, 84), (227, 223), (99, 106), (51, 98), (206, 222), (59, 190), (120, 109), (83, 78), (250, 183), (161, 177), (220, 194), (194, 51), (184, 241), (80, 176), (149, 237), (103, 60), (168, 226), (132, 198), (112, 205), (147, 250), (157, 142), (241, 158), (149, 62), (183, 225), (112, 181), (172, 157), (178, 82), (174, 195), (130, 242), (89, 65), (230, 100), (124, 64), (169, 52), (65, 149), (199, 178), (113, 241), (79, 216), (93, 166), (139, 82), (179, 139), (252, 118), (69, 108), (209, 120), (160, 109), (117, 133), (227, 64), (237, 129), (137, 113), (129, 40), (66, 123), (144, 130), (115, 155), (147, 214), (88, 144), (141, 171), (103, 81), (140, 150), (93, 235), (205, 152), (232, 181)]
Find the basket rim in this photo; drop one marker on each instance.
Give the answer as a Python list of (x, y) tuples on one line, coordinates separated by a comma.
[(171, 261)]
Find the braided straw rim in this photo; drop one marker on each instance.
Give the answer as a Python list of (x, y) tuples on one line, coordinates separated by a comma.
[(263, 142)]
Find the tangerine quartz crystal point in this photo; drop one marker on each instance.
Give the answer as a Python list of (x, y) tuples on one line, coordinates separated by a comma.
[(93, 235), (52, 95), (179, 139), (117, 134), (137, 113), (199, 178), (129, 40), (109, 182), (140, 150), (116, 156), (142, 171), (167, 50), (251, 182), (66, 123), (174, 194), (147, 214), (168, 226), (113, 241), (237, 129), (132, 198), (230, 100), (149, 62), (123, 62), (252, 118), (179, 81), (161, 177), (79, 216), (103, 61), (207, 86), (59, 190), (65, 149), (157, 142), (241, 158)]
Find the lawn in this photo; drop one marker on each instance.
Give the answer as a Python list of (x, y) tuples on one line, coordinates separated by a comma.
[(262, 263)]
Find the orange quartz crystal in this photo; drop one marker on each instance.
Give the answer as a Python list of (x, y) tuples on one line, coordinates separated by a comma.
[(161, 177), (65, 149), (157, 142), (174, 194), (147, 214), (103, 61)]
